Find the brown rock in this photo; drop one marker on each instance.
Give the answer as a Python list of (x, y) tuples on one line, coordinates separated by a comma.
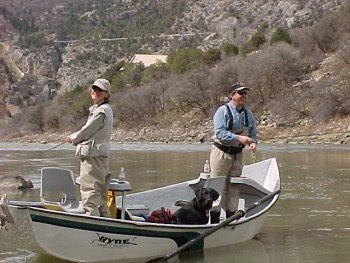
[(7, 181)]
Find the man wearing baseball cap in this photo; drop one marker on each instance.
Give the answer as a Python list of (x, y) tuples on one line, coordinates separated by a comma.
[(93, 149), (234, 128)]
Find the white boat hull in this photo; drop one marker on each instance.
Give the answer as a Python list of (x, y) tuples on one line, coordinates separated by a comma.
[(84, 239)]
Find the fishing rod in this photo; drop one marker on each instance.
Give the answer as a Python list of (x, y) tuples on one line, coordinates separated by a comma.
[(54, 147)]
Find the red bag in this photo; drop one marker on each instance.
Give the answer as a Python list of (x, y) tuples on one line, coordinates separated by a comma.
[(163, 216)]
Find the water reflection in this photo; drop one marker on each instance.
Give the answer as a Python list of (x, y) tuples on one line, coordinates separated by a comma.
[(252, 251)]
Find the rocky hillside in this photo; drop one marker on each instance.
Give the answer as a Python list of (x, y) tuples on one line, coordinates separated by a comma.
[(48, 47)]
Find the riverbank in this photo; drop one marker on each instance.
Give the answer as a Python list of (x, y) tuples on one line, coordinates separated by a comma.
[(305, 132)]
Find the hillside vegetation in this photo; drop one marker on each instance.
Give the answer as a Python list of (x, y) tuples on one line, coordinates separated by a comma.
[(298, 75)]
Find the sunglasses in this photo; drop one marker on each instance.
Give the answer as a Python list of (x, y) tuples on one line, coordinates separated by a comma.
[(96, 89), (241, 92)]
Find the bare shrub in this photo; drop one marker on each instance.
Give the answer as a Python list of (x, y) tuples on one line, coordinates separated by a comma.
[(344, 52), (127, 109), (344, 18), (53, 117), (302, 39), (269, 72), (204, 88), (322, 102), (293, 102), (221, 77), (326, 33), (158, 94), (37, 118), (194, 91), (330, 98), (141, 104)]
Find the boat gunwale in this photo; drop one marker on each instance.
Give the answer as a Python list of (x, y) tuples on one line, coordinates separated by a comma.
[(70, 217)]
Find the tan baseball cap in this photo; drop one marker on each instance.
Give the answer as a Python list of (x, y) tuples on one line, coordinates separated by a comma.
[(103, 84)]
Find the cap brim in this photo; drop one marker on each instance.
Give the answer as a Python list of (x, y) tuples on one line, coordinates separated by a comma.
[(100, 87), (241, 88)]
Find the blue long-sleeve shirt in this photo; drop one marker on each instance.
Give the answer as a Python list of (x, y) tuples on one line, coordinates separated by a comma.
[(221, 124)]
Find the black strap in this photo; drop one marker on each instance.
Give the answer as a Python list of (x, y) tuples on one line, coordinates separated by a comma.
[(230, 116)]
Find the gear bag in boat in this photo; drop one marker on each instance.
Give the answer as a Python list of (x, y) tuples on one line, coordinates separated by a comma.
[(162, 215)]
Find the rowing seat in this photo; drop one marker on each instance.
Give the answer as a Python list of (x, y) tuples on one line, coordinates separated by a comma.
[(132, 212), (57, 190), (199, 182), (249, 186), (216, 183)]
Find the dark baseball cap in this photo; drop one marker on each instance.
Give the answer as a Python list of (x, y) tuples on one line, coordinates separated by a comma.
[(236, 87)]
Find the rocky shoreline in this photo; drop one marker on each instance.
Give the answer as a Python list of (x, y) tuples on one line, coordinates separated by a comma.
[(305, 132)]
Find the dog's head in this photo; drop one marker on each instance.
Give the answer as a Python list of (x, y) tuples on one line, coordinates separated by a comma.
[(205, 197)]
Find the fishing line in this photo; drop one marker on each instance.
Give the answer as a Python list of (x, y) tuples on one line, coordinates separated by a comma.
[(262, 138)]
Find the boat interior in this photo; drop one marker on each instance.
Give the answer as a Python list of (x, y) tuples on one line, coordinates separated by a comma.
[(58, 191), (257, 181)]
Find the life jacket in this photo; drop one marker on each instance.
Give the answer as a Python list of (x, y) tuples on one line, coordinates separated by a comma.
[(162, 215), (98, 143)]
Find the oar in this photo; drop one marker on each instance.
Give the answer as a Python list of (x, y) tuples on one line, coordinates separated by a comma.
[(49, 149), (236, 216)]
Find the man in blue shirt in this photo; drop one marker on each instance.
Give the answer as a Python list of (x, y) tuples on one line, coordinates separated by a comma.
[(234, 128)]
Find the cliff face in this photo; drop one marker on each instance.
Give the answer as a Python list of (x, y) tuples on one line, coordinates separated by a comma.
[(27, 77), (30, 76)]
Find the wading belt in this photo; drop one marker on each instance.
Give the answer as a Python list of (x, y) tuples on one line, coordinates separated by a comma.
[(228, 149)]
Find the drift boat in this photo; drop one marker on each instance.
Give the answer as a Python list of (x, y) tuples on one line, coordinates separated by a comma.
[(61, 229)]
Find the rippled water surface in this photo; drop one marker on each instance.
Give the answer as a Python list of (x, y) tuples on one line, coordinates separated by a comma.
[(310, 222)]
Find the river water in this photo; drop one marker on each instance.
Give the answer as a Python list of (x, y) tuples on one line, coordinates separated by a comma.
[(309, 223)]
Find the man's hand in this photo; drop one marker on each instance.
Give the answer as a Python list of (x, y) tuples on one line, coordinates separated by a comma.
[(68, 139), (252, 146), (245, 140)]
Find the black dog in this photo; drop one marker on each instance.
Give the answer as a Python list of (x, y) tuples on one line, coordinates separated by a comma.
[(196, 212)]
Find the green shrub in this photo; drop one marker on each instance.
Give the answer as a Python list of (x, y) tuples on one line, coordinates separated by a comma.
[(229, 49), (211, 56), (185, 59), (258, 39), (281, 35)]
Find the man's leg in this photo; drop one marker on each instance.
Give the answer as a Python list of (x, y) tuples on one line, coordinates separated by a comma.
[(104, 209), (232, 197), (221, 164), (90, 198)]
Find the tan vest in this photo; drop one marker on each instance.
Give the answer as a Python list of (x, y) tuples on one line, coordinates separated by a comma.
[(99, 143)]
